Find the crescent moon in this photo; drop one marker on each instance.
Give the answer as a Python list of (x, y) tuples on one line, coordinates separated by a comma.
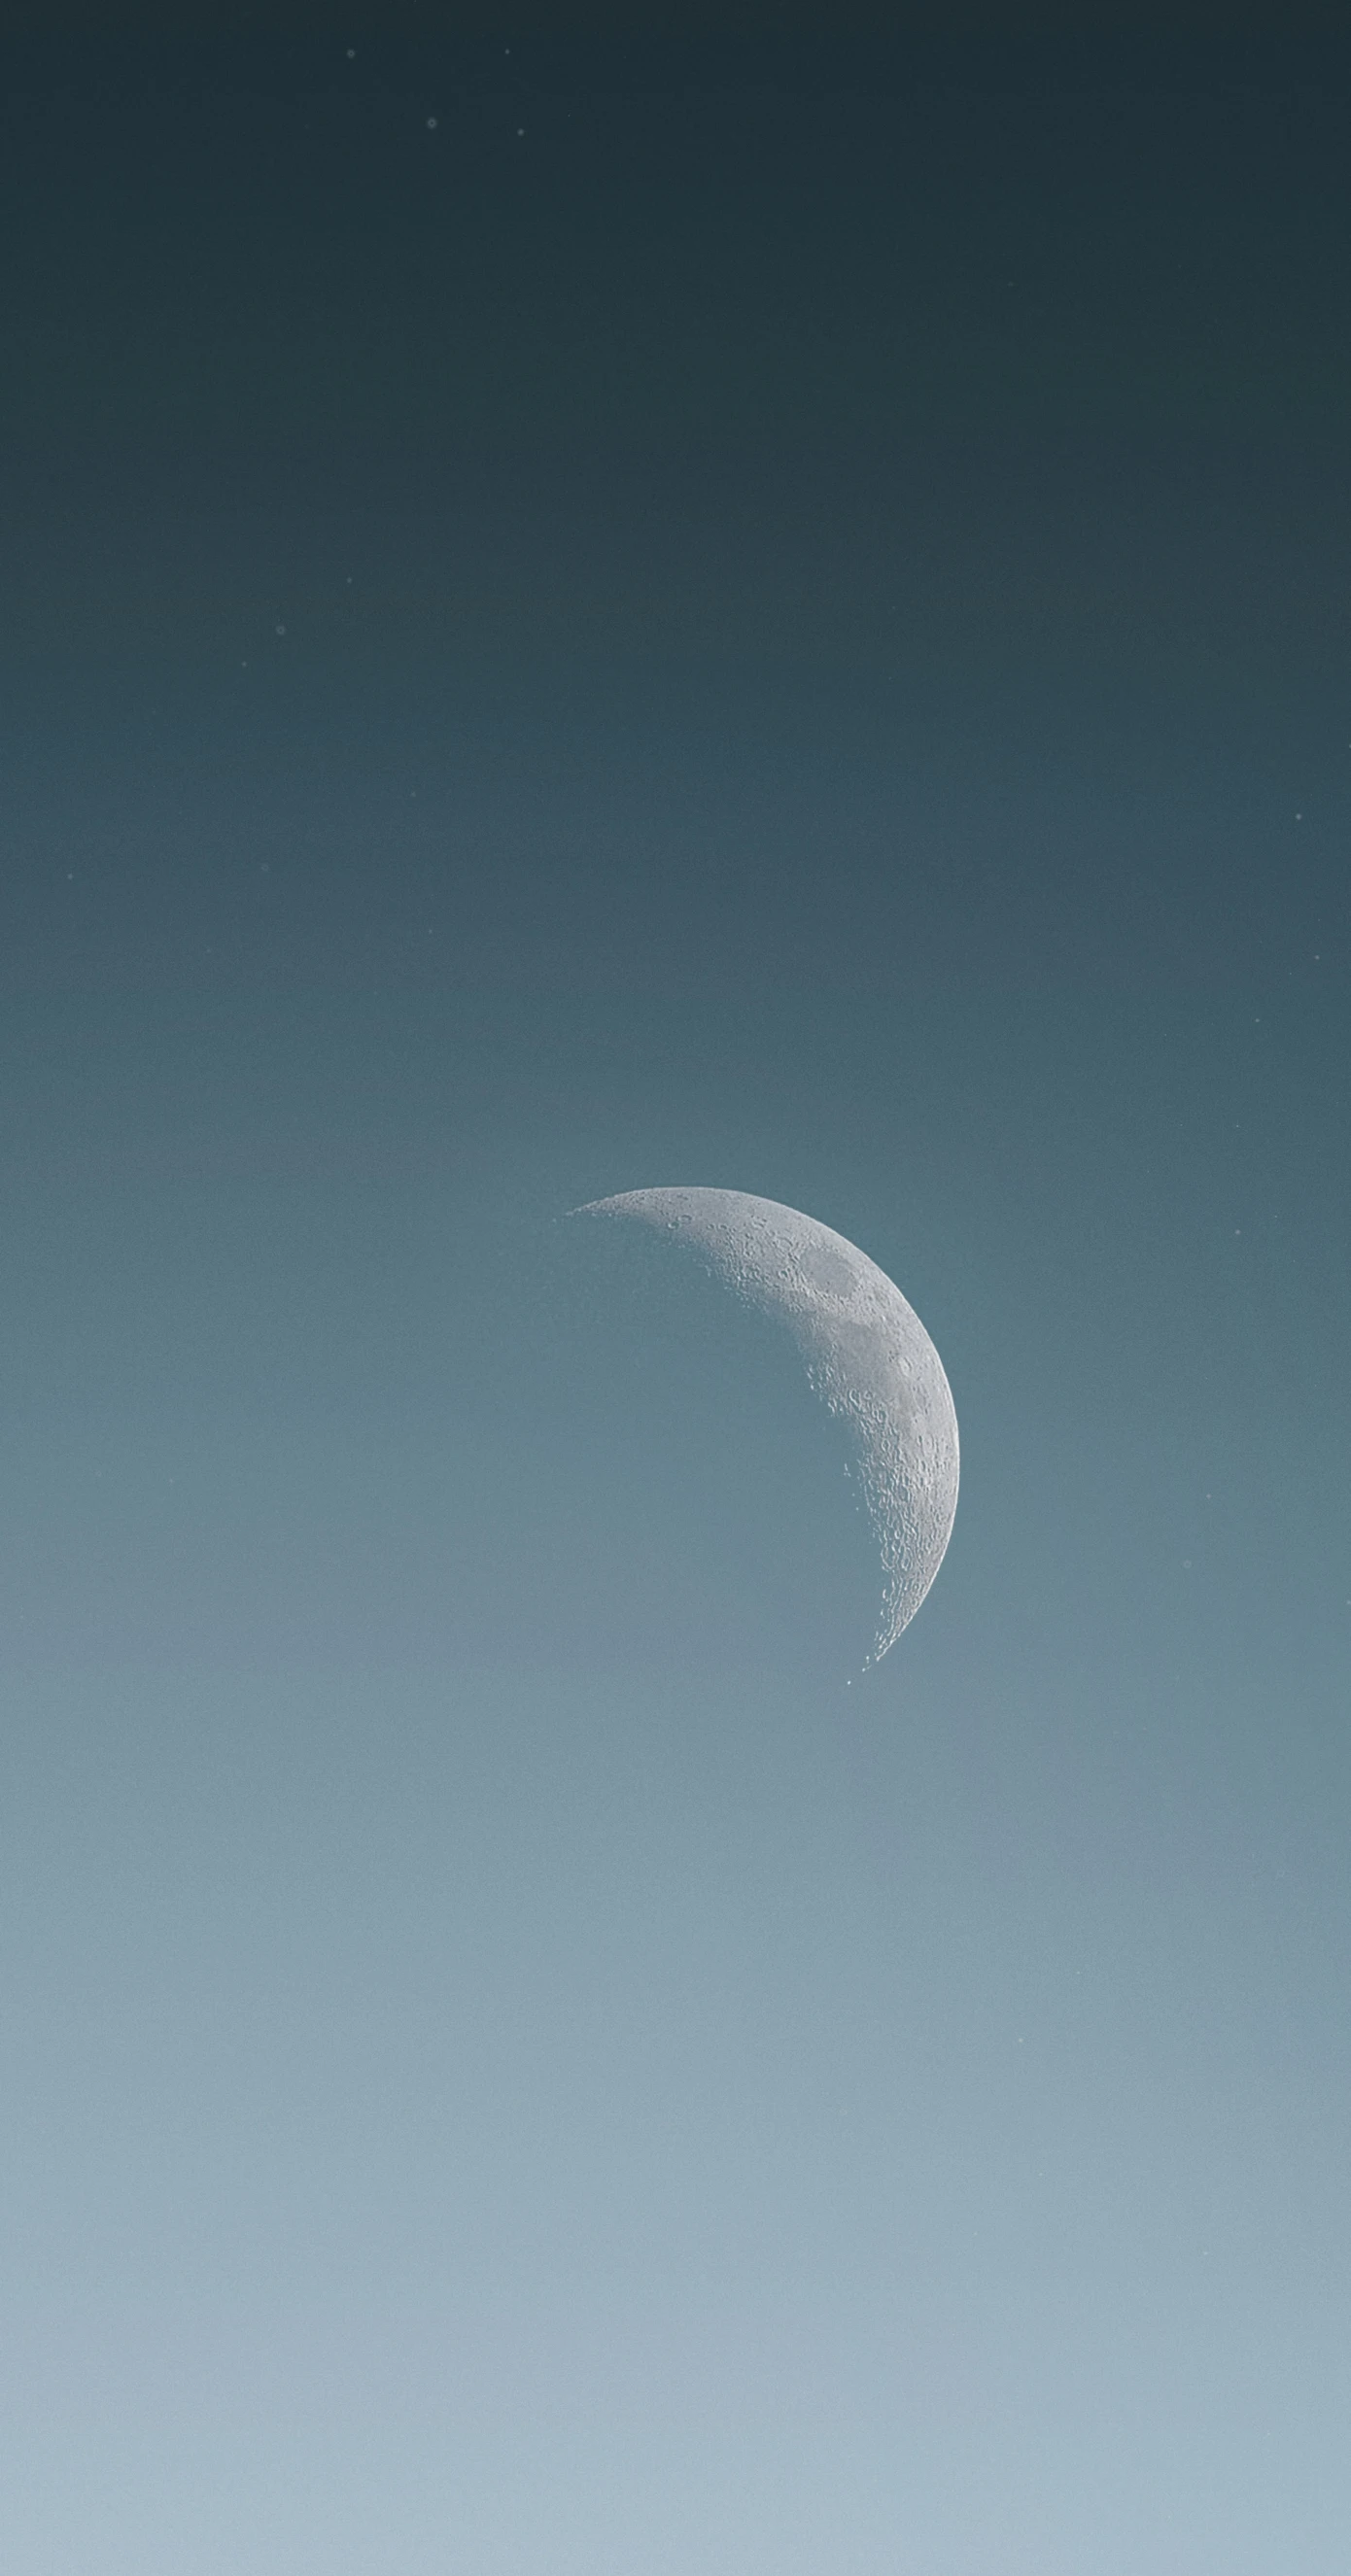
[(866, 1353)]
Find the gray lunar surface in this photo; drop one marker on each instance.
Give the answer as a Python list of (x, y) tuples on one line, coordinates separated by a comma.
[(866, 1353)]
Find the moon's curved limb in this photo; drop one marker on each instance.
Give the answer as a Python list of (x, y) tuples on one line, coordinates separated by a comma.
[(867, 1355)]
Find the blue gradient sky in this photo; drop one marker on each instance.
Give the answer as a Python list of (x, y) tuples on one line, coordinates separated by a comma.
[(785, 628)]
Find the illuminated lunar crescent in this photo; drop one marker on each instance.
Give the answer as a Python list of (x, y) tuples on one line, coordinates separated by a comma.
[(866, 1353)]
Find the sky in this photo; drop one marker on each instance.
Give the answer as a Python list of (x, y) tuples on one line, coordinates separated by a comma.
[(753, 613)]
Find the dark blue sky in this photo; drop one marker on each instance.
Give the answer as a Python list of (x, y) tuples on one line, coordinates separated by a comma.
[(755, 614)]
